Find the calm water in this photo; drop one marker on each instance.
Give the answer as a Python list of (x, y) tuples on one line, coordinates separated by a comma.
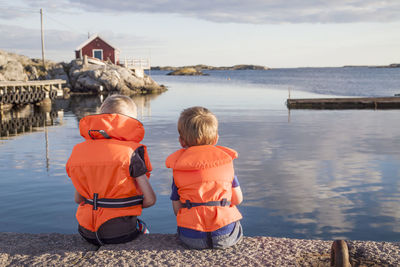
[(304, 174)]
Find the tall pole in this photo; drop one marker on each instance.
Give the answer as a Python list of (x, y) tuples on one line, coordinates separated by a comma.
[(42, 34)]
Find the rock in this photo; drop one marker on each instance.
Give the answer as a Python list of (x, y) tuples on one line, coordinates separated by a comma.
[(88, 78), (13, 71), (109, 77), (187, 72), (57, 71)]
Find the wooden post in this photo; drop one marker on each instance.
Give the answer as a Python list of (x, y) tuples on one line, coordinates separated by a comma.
[(42, 34)]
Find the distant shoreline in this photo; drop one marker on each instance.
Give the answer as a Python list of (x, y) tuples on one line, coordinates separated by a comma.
[(207, 67), (201, 67)]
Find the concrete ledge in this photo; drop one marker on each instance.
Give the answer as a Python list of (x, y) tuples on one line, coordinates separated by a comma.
[(165, 250)]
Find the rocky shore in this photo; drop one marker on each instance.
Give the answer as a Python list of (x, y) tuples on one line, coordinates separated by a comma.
[(80, 76), (165, 250)]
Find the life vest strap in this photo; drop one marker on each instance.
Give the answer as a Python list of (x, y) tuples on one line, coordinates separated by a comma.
[(221, 203), (114, 202)]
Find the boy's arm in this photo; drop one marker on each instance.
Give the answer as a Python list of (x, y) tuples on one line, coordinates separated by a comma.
[(78, 198), (149, 197), (237, 196), (138, 170), (176, 205)]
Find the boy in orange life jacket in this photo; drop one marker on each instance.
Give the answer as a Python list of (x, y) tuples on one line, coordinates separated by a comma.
[(110, 172), (205, 190)]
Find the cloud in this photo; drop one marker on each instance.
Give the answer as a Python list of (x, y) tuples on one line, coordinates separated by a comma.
[(27, 41), (258, 11), (60, 44), (225, 11), (26, 38)]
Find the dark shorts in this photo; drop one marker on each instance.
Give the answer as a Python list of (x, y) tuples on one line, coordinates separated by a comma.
[(218, 242), (114, 231)]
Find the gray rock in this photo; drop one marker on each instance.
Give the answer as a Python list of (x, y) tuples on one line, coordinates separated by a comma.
[(13, 71), (111, 77), (87, 78)]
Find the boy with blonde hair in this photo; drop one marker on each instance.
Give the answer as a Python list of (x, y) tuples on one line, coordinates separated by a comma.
[(110, 172), (205, 190)]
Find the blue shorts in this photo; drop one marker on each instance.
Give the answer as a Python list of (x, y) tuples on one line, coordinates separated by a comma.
[(217, 241)]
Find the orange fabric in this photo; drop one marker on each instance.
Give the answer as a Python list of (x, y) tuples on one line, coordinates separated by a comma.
[(202, 174), (102, 166)]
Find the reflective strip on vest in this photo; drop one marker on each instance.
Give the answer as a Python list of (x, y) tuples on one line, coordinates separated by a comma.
[(114, 202)]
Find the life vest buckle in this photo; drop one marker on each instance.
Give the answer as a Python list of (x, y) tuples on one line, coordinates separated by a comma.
[(188, 204), (95, 196), (224, 202)]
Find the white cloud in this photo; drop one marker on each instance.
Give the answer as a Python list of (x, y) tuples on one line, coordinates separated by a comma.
[(258, 12)]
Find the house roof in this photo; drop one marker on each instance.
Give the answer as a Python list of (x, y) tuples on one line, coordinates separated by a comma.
[(91, 38)]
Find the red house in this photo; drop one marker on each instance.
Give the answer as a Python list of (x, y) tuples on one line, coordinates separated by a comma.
[(96, 47)]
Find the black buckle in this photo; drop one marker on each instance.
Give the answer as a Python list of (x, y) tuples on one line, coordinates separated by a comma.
[(188, 204), (102, 132), (95, 196), (224, 202)]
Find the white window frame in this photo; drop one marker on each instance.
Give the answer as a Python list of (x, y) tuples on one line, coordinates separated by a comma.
[(96, 50)]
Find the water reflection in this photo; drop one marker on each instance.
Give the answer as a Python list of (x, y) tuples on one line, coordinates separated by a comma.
[(82, 106), (326, 174), (27, 119), (321, 174)]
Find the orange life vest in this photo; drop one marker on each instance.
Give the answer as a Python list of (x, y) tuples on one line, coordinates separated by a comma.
[(99, 168), (203, 176)]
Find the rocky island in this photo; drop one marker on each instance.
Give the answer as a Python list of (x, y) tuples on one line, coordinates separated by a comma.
[(201, 67), (80, 76), (187, 71)]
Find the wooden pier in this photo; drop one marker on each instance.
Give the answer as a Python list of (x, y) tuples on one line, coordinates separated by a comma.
[(29, 92), (345, 103)]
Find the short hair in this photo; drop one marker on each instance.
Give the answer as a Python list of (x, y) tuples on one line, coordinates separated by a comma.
[(119, 104), (198, 126)]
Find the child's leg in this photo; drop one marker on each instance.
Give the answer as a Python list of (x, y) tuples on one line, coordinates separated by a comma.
[(225, 241), (194, 243)]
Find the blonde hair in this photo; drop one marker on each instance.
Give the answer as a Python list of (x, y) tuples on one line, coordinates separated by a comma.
[(119, 104), (198, 126)]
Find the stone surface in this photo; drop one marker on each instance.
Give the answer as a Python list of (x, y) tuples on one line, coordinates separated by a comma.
[(109, 78), (165, 250), (13, 71), (88, 78)]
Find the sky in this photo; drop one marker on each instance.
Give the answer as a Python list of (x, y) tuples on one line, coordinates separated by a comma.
[(272, 33)]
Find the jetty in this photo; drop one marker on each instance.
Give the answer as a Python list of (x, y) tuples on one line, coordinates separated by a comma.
[(23, 249), (345, 103), (28, 92)]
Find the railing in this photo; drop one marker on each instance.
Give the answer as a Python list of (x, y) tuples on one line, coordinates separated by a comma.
[(137, 63)]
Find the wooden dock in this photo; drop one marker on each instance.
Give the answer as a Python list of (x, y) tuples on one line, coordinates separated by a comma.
[(20, 93), (345, 103)]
